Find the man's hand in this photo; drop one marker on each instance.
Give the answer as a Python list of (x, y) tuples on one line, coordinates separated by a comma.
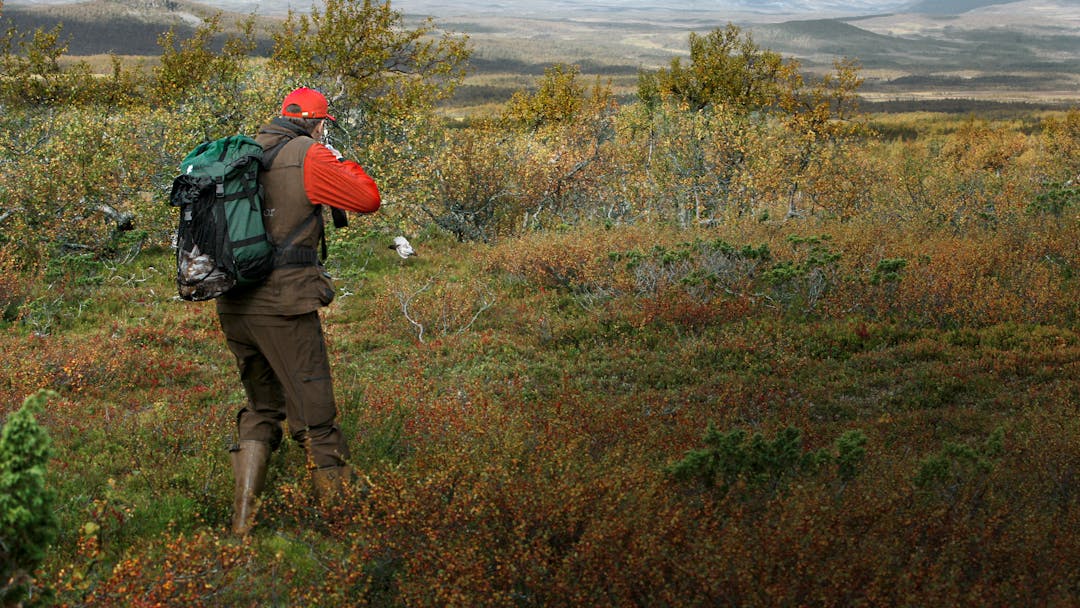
[(335, 152)]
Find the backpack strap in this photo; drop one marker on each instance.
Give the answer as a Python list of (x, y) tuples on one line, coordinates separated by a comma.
[(285, 254), (292, 131), (271, 153), (250, 174), (248, 192)]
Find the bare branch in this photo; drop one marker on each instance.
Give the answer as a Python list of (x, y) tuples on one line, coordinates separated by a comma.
[(487, 302), (406, 300)]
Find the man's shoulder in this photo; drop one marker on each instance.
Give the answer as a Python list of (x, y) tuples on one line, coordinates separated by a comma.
[(270, 134), (278, 146)]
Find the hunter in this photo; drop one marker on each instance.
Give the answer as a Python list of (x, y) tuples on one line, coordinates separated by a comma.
[(274, 328)]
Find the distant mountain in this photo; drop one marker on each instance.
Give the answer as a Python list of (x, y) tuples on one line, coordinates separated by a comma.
[(853, 7), (779, 7), (823, 40), (951, 7), (930, 7), (125, 27), (555, 7), (764, 7), (621, 36)]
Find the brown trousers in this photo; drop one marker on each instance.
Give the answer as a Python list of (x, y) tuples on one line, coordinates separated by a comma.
[(286, 375)]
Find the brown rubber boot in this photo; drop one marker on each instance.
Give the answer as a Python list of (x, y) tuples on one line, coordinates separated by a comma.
[(329, 483), (249, 461)]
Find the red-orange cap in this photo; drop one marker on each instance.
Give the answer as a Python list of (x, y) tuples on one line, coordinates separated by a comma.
[(312, 104)]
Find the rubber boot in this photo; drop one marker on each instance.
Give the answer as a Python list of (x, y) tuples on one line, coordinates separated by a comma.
[(329, 483), (249, 462)]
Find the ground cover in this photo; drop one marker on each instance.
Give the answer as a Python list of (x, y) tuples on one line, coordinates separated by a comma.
[(523, 452)]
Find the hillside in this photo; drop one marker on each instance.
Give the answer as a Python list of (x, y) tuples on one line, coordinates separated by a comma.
[(820, 41), (905, 55), (123, 27), (951, 7), (768, 355), (526, 454)]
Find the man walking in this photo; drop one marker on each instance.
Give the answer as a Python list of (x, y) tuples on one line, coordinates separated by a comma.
[(274, 329)]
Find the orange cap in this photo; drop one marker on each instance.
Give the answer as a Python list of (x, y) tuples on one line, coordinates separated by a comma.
[(312, 104)]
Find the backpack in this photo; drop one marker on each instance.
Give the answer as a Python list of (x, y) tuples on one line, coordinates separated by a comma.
[(221, 243)]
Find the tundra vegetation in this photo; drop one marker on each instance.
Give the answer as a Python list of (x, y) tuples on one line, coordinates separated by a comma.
[(727, 343)]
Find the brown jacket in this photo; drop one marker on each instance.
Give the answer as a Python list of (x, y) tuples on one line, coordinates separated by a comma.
[(288, 210)]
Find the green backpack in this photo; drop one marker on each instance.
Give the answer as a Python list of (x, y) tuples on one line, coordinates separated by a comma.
[(221, 243)]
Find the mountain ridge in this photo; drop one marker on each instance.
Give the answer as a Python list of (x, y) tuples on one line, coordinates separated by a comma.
[(1028, 46), (443, 8)]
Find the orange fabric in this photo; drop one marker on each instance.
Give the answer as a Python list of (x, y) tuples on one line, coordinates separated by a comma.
[(312, 104), (341, 184)]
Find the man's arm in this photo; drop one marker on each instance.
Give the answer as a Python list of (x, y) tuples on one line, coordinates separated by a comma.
[(343, 184)]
